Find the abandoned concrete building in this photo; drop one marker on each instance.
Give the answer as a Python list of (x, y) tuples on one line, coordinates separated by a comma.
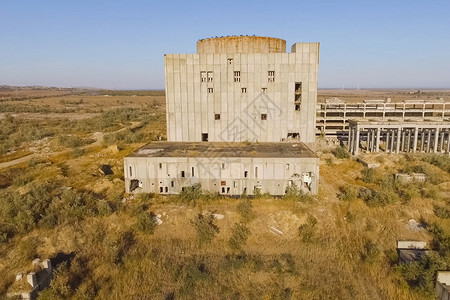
[(241, 118)]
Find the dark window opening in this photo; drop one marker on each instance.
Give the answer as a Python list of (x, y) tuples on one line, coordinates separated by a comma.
[(256, 172), (182, 189), (271, 76), (298, 95), (263, 117), (210, 76), (243, 90), (160, 165), (193, 174), (293, 135), (172, 183), (182, 174), (166, 189), (237, 76), (131, 173), (161, 189), (134, 184), (223, 190), (297, 107), (228, 190), (216, 117), (204, 137), (230, 61), (210, 90), (223, 166), (245, 174), (245, 190)]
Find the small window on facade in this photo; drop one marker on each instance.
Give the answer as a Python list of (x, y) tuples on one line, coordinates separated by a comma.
[(160, 165), (245, 174), (210, 90), (172, 183), (243, 90), (166, 189), (237, 76), (230, 61), (256, 172), (216, 116), (287, 166), (202, 76), (264, 90), (131, 173), (223, 166), (297, 107), (193, 173), (161, 189), (235, 183), (263, 117), (204, 137), (228, 190), (271, 76), (210, 76), (182, 174), (223, 190)]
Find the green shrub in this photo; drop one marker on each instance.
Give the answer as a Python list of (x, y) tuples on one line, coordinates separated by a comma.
[(370, 252), (442, 212), (306, 231), (191, 193), (205, 228), (71, 141), (368, 175), (245, 209), (341, 152), (239, 236), (146, 222), (78, 152), (348, 193), (296, 194)]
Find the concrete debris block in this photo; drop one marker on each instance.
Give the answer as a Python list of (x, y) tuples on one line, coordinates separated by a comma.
[(276, 231), (158, 216), (218, 216), (414, 226), (19, 276), (157, 220), (411, 245)]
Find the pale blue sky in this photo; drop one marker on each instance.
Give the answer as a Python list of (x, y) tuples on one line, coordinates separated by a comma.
[(121, 44)]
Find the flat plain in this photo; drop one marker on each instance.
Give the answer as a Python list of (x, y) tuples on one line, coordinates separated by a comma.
[(57, 202)]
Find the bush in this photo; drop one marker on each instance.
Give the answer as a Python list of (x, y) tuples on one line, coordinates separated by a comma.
[(442, 212), (146, 222), (205, 228), (306, 231), (348, 193), (245, 209), (191, 193), (368, 175), (370, 252), (78, 152), (239, 236), (296, 194), (341, 152), (71, 141)]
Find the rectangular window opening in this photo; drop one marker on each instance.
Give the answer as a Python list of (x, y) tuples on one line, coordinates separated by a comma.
[(245, 174), (210, 90), (228, 190), (263, 117), (223, 190), (182, 174), (161, 189), (193, 172), (210, 76), (230, 61), (131, 173), (264, 90), (271, 76), (204, 137), (172, 183), (223, 166), (243, 90), (160, 165), (166, 189), (237, 76), (216, 116), (297, 107), (202, 76)]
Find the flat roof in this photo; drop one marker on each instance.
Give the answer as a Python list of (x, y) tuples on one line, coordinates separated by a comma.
[(215, 149)]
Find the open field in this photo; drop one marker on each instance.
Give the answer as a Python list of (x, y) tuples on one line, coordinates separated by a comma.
[(338, 245)]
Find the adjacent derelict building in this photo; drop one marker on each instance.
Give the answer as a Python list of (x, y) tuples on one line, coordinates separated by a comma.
[(241, 117)]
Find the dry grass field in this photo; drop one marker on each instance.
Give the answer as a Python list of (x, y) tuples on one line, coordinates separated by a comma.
[(57, 203)]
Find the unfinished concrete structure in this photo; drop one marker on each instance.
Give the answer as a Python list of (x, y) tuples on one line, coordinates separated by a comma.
[(443, 285), (240, 118)]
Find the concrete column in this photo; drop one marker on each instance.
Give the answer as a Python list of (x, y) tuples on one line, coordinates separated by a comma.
[(403, 140), (416, 134), (422, 137), (408, 141), (368, 140), (377, 143), (448, 142), (357, 141), (373, 140), (441, 146), (428, 141), (436, 140), (387, 140), (392, 140), (349, 142), (397, 148)]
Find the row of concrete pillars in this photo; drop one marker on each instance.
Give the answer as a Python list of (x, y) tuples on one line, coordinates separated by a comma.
[(399, 139)]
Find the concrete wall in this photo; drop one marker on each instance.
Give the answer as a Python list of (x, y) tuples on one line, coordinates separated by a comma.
[(241, 44), (223, 175), (191, 108)]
